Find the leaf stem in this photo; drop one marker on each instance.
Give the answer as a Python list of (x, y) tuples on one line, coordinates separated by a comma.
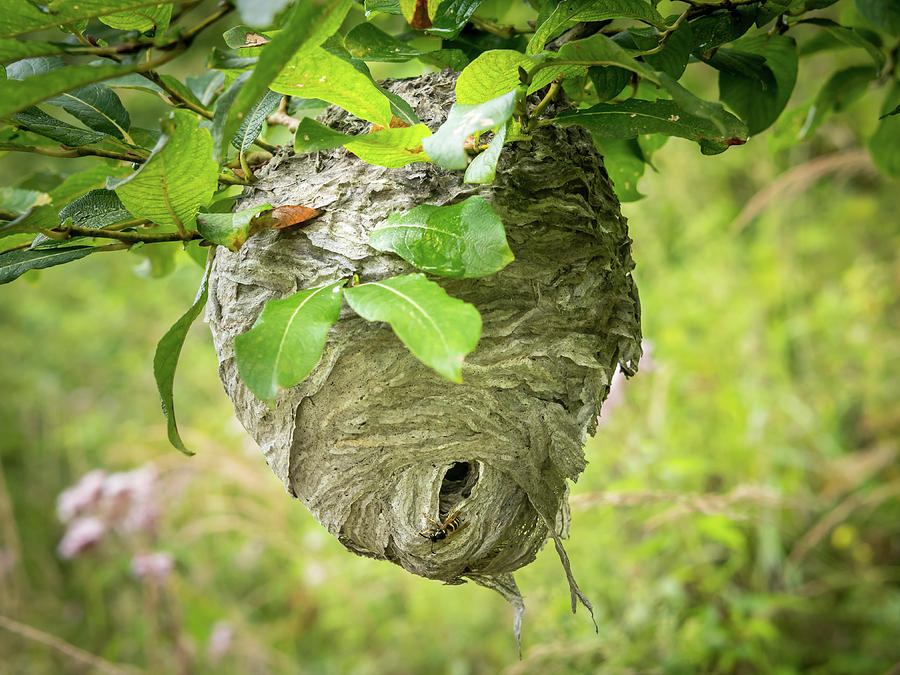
[(130, 237), (65, 151), (539, 108)]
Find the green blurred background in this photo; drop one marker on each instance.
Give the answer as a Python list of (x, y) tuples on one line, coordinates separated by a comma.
[(739, 513)]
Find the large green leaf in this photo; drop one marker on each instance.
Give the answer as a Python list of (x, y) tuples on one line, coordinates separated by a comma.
[(21, 16), (634, 117), (439, 330), (13, 50), (142, 19), (179, 177), (490, 75), (760, 98), (389, 147), (98, 108), (462, 240), (15, 263), (287, 340), (230, 230), (317, 73), (883, 14), (165, 359), (369, 43), (570, 11), (95, 209), (306, 25), (446, 146), (673, 57), (20, 94)]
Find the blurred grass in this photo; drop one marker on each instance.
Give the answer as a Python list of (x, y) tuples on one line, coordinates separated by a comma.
[(739, 514)]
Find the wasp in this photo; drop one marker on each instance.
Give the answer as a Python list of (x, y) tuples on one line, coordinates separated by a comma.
[(439, 531)]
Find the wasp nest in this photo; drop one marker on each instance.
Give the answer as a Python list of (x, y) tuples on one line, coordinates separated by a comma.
[(373, 439)]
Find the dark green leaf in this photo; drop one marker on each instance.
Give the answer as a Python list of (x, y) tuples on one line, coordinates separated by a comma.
[(143, 19), (850, 37), (463, 240), (634, 117), (439, 330), (386, 6), (221, 111), (305, 26), (484, 167), (230, 230), (253, 122), (890, 113), (165, 359), (96, 209), (570, 11), (841, 89), (39, 122), (722, 26), (20, 17), (179, 177), (760, 96), (98, 108), (15, 263), (451, 16), (369, 43), (674, 56), (883, 14), (608, 81), (883, 145), (287, 340), (446, 146), (389, 147)]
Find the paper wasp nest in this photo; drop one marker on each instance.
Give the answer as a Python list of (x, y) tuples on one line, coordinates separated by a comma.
[(373, 439)]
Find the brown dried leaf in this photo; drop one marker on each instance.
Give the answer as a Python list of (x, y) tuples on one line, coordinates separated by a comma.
[(289, 215)]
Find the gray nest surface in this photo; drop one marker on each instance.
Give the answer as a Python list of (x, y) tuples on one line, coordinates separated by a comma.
[(373, 439)]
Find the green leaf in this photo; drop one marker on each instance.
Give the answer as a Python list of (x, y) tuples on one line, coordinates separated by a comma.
[(316, 73), (439, 330), (722, 26), (675, 54), (608, 81), (13, 50), (451, 17), (237, 37), (883, 14), (36, 120), (142, 19), (490, 75), (389, 147), (98, 108), (760, 100), (253, 122), (841, 89), (221, 112), (463, 240), (96, 209), (15, 263), (205, 85), (850, 37), (624, 163), (179, 177), (883, 144), (136, 81), (18, 200), (446, 146), (25, 17), (369, 43), (634, 117), (570, 11), (230, 230), (484, 167), (386, 6), (287, 340), (165, 359), (19, 94), (306, 25)]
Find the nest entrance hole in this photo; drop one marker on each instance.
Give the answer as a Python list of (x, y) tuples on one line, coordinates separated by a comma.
[(457, 485)]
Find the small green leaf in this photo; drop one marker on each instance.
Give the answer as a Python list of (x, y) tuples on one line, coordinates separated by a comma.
[(142, 19), (36, 120), (675, 54), (625, 165), (98, 108), (439, 330), (571, 11), (179, 177), (446, 146), (253, 122), (850, 37), (15, 263), (237, 37), (451, 16), (96, 209), (463, 240), (369, 43), (608, 81), (25, 17), (883, 14), (722, 26), (389, 147), (841, 89), (205, 85), (484, 167), (287, 340), (165, 359), (386, 6), (634, 117), (18, 200), (230, 230), (306, 25)]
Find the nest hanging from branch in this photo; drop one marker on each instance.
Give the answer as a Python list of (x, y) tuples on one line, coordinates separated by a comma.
[(373, 439)]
